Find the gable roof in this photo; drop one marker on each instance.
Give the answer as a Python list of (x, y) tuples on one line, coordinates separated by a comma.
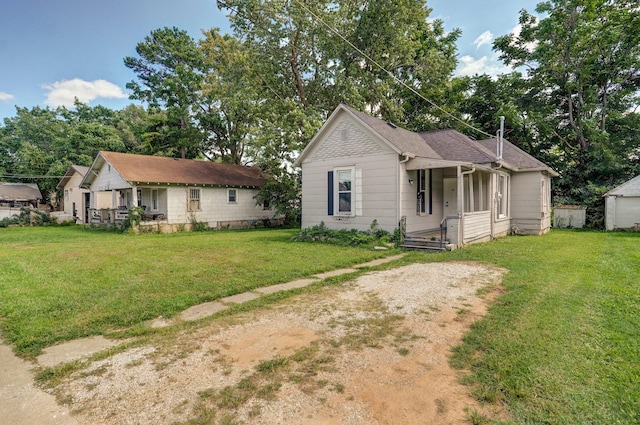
[(73, 169), (440, 148), (162, 170), (19, 192), (516, 159), (628, 188)]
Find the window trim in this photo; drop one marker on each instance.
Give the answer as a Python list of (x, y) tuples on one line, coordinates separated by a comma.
[(190, 198), (351, 191), (502, 196), (235, 196), (424, 201)]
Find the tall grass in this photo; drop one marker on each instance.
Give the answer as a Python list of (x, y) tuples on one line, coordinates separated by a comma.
[(562, 345), (60, 283)]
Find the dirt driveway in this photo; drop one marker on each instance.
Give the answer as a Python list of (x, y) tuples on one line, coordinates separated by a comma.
[(373, 351)]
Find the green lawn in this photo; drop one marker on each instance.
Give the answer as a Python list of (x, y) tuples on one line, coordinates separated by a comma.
[(60, 283), (562, 346)]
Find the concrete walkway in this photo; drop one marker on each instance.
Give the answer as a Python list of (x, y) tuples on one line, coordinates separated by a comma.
[(21, 403)]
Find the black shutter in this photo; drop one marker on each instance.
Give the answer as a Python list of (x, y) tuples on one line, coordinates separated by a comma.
[(330, 193)]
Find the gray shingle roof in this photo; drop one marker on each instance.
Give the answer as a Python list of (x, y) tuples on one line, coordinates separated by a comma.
[(19, 192)]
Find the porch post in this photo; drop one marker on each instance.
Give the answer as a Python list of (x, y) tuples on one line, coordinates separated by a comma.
[(460, 205), (114, 197), (134, 196)]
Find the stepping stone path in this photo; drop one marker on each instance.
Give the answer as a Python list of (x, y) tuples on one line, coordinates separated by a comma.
[(21, 403)]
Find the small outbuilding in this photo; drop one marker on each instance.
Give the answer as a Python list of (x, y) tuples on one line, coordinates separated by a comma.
[(14, 196), (622, 206)]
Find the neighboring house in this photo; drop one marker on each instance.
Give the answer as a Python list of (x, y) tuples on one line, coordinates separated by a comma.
[(358, 169), (76, 200), (13, 196), (175, 192), (622, 206)]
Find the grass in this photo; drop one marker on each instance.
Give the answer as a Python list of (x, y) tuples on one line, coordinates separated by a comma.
[(562, 344), (62, 283)]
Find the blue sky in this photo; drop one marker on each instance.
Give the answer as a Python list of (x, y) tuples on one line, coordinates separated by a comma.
[(53, 50)]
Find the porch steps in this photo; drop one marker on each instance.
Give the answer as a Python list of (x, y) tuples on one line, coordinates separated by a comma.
[(418, 243)]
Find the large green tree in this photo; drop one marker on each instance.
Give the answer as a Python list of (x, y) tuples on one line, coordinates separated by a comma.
[(582, 61), (38, 145), (307, 57), (170, 72)]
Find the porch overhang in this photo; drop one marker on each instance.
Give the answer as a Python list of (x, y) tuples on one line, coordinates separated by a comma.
[(427, 163)]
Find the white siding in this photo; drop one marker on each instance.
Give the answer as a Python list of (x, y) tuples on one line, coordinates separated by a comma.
[(530, 211), (108, 179), (477, 227), (622, 212), (346, 144), (214, 208), (417, 222)]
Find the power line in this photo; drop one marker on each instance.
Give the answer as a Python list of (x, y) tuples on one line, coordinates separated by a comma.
[(396, 79), (28, 176)]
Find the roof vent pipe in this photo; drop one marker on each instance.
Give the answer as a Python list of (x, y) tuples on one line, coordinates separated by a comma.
[(500, 138)]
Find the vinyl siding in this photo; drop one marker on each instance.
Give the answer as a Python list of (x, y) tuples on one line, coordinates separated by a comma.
[(348, 145), (622, 212), (528, 214), (477, 226)]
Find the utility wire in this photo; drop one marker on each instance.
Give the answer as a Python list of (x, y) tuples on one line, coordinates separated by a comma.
[(396, 79)]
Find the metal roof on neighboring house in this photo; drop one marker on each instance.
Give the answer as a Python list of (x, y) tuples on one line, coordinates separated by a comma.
[(162, 170), (22, 192)]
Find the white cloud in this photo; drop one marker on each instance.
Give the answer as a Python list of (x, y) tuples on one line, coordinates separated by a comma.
[(63, 93), (6, 96), (484, 38), (471, 66)]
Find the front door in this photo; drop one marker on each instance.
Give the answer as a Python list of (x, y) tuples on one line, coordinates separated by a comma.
[(450, 194), (87, 205)]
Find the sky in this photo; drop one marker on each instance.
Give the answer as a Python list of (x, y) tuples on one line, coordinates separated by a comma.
[(52, 51)]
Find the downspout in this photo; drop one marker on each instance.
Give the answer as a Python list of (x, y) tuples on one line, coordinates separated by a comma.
[(461, 175)]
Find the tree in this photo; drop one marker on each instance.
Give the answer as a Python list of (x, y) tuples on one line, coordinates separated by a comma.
[(170, 69), (307, 57), (583, 76)]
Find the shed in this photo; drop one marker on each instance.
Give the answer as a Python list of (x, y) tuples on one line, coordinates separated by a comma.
[(622, 206), (569, 216), (19, 194)]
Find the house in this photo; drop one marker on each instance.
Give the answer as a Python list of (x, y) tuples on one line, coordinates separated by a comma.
[(622, 206), (76, 200), (175, 193), (358, 169), (14, 196)]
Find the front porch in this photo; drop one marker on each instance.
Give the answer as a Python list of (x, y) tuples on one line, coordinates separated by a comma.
[(153, 202)]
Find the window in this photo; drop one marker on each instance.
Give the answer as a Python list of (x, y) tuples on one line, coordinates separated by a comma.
[(194, 199), (425, 200), (232, 196), (503, 196), (344, 191), (66, 194), (154, 199), (266, 204), (139, 195), (546, 195)]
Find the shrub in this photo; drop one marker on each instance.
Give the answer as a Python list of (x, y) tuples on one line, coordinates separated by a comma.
[(352, 237)]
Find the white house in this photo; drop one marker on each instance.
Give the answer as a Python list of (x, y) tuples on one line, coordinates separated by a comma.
[(175, 192), (622, 206), (76, 199), (358, 169)]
